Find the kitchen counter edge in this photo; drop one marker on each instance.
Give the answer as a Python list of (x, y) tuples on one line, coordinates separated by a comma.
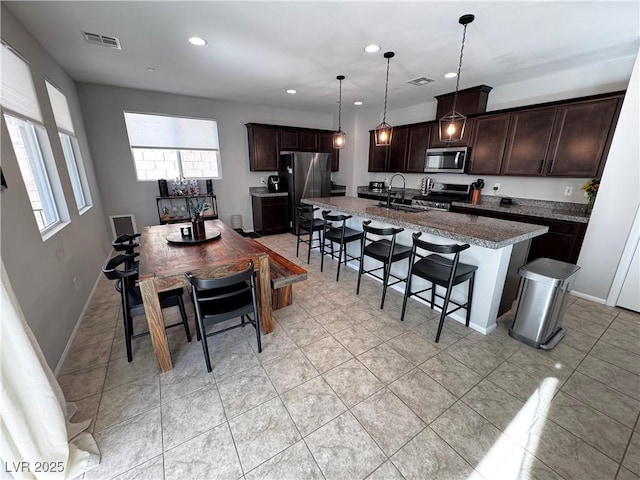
[(450, 224)]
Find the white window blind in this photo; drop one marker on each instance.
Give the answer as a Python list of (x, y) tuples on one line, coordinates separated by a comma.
[(60, 108), (17, 92), (158, 131)]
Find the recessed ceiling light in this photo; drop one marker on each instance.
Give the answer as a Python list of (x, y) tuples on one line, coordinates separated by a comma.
[(373, 48), (197, 41), (291, 91), (357, 103), (151, 69), (450, 75)]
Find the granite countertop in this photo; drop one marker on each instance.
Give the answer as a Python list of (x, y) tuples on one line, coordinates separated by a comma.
[(571, 212), (481, 231), (264, 192)]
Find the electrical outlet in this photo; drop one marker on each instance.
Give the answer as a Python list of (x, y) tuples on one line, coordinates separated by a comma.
[(76, 285), (263, 180), (386, 180), (496, 187), (568, 191)]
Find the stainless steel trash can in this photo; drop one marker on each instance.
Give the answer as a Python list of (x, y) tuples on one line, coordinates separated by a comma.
[(543, 299)]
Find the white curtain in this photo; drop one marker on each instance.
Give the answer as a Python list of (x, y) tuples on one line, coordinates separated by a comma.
[(34, 417)]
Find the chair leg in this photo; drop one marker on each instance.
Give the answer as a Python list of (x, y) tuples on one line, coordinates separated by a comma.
[(360, 273), (433, 295), (127, 336), (298, 241), (183, 314), (407, 294), (322, 245), (310, 242), (387, 271), (445, 305), (205, 347), (469, 297), (340, 259), (256, 317)]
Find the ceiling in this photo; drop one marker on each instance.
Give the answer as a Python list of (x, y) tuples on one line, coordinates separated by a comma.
[(257, 50)]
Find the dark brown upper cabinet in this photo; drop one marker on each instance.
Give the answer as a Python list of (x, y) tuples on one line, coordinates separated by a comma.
[(289, 139), (418, 142), (581, 137), (267, 141), (489, 142), (563, 139), (528, 141), (391, 158), (325, 145), (264, 147)]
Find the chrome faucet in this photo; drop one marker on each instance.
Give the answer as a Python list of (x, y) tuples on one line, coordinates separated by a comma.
[(404, 186)]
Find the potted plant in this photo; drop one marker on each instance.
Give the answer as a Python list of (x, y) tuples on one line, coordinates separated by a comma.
[(196, 208), (591, 187)]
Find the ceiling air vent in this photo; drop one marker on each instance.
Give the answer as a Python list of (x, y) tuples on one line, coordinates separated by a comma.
[(420, 81), (102, 40)]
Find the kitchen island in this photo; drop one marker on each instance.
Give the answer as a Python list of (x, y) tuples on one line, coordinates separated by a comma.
[(498, 248)]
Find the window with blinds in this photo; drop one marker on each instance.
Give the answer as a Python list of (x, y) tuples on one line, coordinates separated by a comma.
[(70, 146), (22, 115), (169, 146)]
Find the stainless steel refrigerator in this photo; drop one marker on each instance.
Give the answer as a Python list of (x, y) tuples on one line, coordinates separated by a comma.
[(305, 175)]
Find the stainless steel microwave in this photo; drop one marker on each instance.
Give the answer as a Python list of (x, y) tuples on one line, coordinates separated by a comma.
[(446, 160)]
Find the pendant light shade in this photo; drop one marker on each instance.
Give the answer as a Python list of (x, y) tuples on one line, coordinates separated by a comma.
[(453, 123), (384, 130), (339, 137)]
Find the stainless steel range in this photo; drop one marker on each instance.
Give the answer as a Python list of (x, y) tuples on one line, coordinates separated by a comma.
[(440, 196)]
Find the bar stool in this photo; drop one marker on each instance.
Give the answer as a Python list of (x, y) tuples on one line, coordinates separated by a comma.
[(442, 271), (342, 235), (306, 223), (382, 250)]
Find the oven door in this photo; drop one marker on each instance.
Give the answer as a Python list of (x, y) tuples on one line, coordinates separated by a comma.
[(446, 160)]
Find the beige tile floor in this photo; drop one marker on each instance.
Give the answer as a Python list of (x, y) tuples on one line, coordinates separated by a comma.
[(343, 390)]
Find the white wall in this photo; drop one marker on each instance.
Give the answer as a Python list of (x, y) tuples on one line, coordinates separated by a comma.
[(42, 272), (592, 80), (102, 107), (617, 202)]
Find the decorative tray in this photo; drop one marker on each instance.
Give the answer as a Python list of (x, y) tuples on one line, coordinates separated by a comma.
[(180, 240)]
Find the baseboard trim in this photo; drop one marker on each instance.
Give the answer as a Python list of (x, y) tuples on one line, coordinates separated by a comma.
[(591, 298)]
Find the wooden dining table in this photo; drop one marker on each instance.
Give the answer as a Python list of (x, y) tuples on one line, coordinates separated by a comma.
[(164, 261)]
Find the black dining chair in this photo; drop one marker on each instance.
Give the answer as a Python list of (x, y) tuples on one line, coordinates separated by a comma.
[(126, 243), (220, 299), (384, 250), (440, 271), (335, 230), (131, 298), (307, 224)]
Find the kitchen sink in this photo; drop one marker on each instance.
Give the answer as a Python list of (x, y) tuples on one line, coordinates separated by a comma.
[(401, 208)]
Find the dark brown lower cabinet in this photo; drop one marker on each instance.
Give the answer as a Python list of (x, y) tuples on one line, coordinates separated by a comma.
[(562, 242), (270, 215)]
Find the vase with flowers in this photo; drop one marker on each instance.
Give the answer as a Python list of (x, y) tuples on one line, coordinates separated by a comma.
[(591, 188), (196, 208)]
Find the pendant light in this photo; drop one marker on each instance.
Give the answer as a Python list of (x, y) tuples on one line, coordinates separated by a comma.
[(339, 137), (453, 123), (384, 130)]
